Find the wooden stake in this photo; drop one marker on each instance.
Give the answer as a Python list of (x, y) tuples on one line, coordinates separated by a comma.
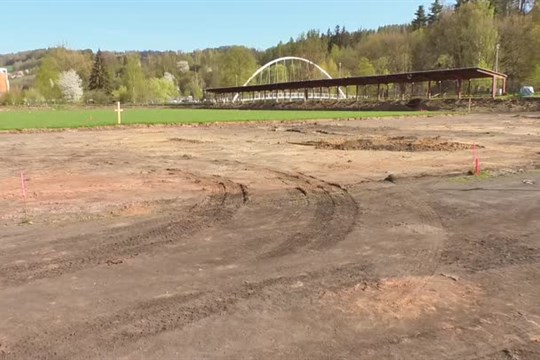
[(23, 191), (23, 186)]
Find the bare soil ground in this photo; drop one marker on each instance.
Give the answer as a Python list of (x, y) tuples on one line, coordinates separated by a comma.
[(235, 242)]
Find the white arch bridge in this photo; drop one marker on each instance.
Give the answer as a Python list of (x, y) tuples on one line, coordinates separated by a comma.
[(285, 70)]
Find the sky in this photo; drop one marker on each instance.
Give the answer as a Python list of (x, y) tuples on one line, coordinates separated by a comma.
[(181, 25)]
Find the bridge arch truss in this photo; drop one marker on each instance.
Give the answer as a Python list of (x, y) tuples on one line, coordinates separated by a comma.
[(285, 70)]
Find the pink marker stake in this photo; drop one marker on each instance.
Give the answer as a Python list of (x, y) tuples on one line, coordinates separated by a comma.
[(23, 186), (476, 160)]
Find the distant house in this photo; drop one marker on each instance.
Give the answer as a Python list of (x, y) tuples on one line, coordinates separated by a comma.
[(4, 81)]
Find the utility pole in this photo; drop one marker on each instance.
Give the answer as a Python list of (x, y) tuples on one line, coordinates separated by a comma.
[(497, 57), (340, 69)]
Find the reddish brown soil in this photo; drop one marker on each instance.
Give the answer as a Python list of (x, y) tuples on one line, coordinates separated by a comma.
[(233, 242)]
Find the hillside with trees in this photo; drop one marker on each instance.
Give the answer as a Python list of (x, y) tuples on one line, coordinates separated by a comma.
[(463, 35)]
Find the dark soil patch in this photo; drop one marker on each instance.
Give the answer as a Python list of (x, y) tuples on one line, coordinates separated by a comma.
[(491, 252), (400, 143), (190, 141)]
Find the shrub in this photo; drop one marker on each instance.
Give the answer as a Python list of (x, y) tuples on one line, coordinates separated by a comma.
[(98, 97), (33, 96), (70, 83)]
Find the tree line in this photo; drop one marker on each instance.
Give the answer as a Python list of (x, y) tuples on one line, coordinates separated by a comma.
[(502, 34)]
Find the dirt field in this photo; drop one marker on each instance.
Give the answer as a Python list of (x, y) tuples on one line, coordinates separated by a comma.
[(273, 241)]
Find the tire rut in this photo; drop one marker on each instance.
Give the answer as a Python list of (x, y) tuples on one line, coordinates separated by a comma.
[(334, 215), (431, 256), (329, 210), (156, 316), (225, 199)]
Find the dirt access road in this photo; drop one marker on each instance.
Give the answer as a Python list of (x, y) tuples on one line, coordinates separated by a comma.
[(273, 241)]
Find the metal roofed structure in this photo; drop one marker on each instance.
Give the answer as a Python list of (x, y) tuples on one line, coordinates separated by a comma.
[(314, 89)]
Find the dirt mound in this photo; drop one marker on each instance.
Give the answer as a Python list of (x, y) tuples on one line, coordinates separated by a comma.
[(399, 143), (338, 105), (189, 141)]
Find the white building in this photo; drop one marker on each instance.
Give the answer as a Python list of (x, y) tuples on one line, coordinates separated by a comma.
[(4, 81)]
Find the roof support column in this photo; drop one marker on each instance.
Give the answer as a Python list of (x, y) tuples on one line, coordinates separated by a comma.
[(429, 90), (458, 88), (494, 87)]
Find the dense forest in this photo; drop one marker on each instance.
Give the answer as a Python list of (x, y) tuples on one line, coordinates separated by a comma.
[(494, 34)]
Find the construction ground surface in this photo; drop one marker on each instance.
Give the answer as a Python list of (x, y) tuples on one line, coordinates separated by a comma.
[(316, 240)]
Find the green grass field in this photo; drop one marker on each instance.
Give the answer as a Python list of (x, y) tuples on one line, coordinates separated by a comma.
[(78, 118)]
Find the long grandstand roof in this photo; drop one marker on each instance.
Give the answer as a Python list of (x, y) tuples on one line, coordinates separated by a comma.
[(410, 77)]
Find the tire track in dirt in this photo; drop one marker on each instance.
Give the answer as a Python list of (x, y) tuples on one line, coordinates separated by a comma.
[(279, 211), (487, 346), (330, 210), (152, 317), (225, 198), (430, 257), (515, 340), (324, 214), (334, 215), (490, 343), (407, 216), (427, 259)]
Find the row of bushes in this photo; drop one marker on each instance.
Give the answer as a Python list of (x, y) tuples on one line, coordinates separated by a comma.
[(33, 97)]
